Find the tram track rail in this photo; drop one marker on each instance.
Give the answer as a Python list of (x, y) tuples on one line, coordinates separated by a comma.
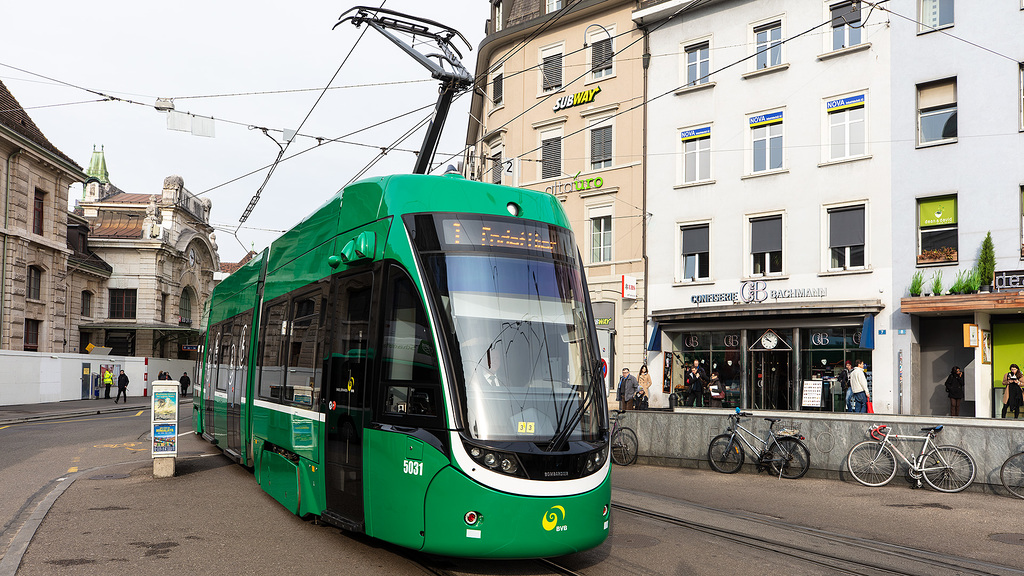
[(862, 555)]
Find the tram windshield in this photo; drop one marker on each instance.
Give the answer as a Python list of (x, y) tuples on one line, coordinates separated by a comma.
[(523, 341)]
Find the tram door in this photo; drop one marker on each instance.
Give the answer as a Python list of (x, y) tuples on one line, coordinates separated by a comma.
[(346, 395), (771, 383)]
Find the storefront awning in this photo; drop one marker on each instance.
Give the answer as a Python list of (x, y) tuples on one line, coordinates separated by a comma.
[(774, 311), (988, 302), (654, 345)]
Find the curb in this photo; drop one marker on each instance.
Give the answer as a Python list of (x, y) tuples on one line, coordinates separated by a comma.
[(75, 413)]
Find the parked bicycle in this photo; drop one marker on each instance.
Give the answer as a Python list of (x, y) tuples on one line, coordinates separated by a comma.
[(782, 452), (1012, 474), (945, 468), (624, 442)]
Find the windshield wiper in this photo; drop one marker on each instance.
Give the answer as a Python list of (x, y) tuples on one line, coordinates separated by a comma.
[(559, 440)]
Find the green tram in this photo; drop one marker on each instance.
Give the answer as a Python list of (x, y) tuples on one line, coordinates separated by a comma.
[(417, 361)]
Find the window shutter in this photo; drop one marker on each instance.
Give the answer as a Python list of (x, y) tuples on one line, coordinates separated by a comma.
[(766, 235), (695, 240), (601, 144), (496, 168), (552, 68), (551, 158), (846, 227), (498, 89), (937, 94), (845, 13), (602, 55)]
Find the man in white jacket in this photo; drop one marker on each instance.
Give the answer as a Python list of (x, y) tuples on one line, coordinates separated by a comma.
[(859, 385)]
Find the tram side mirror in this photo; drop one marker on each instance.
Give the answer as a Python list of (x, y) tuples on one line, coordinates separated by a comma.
[(359, 248)]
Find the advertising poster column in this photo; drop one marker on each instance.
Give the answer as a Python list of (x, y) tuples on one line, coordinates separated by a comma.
[(164, 427)]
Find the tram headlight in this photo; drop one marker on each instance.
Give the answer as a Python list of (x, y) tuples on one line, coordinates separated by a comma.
[(475, 452), (497, 461), (508, 466), (491, 460)]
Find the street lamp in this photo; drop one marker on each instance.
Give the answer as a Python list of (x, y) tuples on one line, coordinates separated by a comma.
[(588, 29)]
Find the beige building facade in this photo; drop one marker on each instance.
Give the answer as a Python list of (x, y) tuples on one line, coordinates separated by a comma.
[(562, 112)]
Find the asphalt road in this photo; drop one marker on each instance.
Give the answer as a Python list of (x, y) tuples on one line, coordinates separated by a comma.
[(213, 518)]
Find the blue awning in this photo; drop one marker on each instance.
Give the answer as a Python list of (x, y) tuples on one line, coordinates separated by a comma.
[(867, 332), (654, 345)]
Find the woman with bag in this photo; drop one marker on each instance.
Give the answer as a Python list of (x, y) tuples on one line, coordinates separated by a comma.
[(955, 390), (1012, 396), (716, 389)]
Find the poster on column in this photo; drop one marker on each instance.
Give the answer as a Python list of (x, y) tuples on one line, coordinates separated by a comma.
[(165, 419)]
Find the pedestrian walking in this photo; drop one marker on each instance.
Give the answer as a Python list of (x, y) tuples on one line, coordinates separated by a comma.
[(108, 381), (122, 387), (859, 385), (1012, 396), (955, 390), (844, 381), (185, 381), (626, 390), (716, 389)]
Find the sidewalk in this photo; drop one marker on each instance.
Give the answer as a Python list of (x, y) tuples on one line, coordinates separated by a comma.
[(17, 413)]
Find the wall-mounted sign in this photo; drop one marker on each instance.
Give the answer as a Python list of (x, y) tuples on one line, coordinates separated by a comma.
[(576, 99), (578, 184), (765, 119), (1009, 280), (629, 287), (938, 211), (755, 292), (695, 134), (844, 103)]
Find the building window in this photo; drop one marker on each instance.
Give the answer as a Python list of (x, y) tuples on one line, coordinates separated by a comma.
[(601, 58), (601, 239), (497, 17), (768, 44), (185, 307), (35, 283), (37, 212), (936, 14), (498, 89), (122, 303), (1020, 96), (86, 303), (845, 25), (32, 335), (766, 140), (698, 62), (846, 237), (696, 253), (496, 167), (551, 156), (553, 5), (696, 155), (766, 245), (551, 69), (937, 230), (601, 147), (846, 127), (936, 105), (163, 307)]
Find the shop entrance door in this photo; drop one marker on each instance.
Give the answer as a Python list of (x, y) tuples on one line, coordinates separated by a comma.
[(771, 386)]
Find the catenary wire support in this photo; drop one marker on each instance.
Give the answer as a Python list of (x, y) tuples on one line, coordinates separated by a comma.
[(445, 66)]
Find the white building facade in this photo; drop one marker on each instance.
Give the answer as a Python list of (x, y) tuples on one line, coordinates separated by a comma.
[(768, 173)]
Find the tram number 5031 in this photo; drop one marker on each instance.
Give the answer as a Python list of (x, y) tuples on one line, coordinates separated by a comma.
[(413, 467)]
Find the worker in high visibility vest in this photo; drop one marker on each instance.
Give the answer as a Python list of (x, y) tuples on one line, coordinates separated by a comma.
[(108, 381)]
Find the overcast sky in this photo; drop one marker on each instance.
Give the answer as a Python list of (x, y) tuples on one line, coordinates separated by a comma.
[(144, 50)]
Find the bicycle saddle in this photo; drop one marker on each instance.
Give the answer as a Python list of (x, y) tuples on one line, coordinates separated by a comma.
[(773, 420), (932, 429)]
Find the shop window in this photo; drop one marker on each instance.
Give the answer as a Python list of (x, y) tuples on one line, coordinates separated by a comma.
[(768, 45), (34, 289), (601, 239), (122, 303), (935, 14), (32, 335), (936, 105), (38, 206), (551, 69), (766, 137), (601, 58), (601, 147), (847, 127), (86, 303), (409, 360), (696, 252), (846, 237), (766, 246), (846, 25), (698, 63), (551, 154), (937, 230), (696, 155)]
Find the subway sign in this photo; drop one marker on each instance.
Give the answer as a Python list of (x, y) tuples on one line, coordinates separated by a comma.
[(576, 99)]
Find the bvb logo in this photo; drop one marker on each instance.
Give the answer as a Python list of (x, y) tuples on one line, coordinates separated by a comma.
[(552, 517)]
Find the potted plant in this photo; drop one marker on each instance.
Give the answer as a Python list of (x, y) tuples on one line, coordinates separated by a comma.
[(987, 263), (960, 283), (916, 283), (937, 283), (973, 281)]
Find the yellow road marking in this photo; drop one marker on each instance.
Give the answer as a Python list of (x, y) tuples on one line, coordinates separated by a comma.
[(139, 413), (73, 469), (38, 422), (8, 426)]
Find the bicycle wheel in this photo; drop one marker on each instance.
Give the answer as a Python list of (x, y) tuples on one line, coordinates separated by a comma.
[(1012, 474), (949, 469), (790, 458), (871, 463), (725, 454), (624, 446)]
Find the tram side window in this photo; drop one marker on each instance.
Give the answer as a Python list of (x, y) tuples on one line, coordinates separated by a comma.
[(211, 358), (225, 356), (409, 361), (275, 328), (304, 367)]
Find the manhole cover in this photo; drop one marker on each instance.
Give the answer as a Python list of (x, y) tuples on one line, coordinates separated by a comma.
[(1017, 539), (108, 477)]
